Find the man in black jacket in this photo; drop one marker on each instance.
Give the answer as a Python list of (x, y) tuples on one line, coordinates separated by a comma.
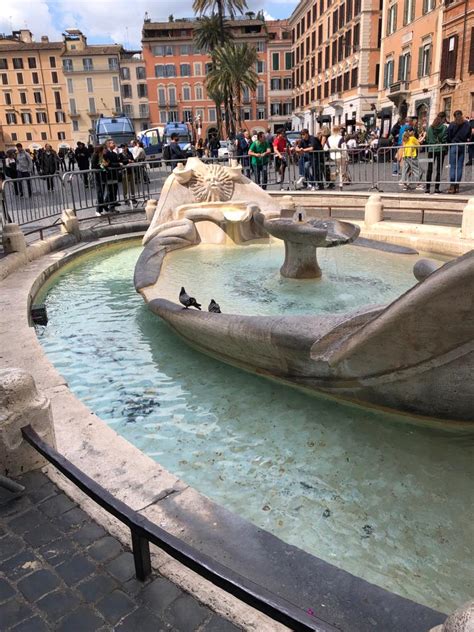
[(82, 158), (459, 131), (113, 173), (176, 153), (48, 163)]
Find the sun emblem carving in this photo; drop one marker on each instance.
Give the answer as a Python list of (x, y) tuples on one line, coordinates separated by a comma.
[(212, 185)]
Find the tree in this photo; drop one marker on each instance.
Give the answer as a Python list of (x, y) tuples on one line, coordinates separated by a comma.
[(220, 7), (215, 94), (208, 33)]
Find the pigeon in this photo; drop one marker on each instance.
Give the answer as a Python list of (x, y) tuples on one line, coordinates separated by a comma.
[(214, 307), (188, 301)]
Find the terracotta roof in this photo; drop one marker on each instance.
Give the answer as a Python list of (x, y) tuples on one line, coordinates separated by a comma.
[(8, 44), (114, 49), (190, 24)]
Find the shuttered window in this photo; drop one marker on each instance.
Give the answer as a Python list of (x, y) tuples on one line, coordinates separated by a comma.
[(424, 60), (408, 12), (471, 53), (449, 58)]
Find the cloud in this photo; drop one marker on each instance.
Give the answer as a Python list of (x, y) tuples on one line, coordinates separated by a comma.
[(31, 14)]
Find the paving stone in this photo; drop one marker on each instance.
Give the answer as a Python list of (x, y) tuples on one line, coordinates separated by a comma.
[(12, 612), (42, 493), (6, 591), (217, 624), (81, 620), (185, 613), (56, 505), (20, 565), (77, 568), (71, 519), (115, 606), (58, 603), (159, 594), (142, 620), (133, 586), (15, 507), (104, 549), (96, 587), (32, 625), (38, 584), (48, 533), (9, 546), (2, 531), (88, 533), (33, 480), (58, 551), (28, 521), (122, 567)]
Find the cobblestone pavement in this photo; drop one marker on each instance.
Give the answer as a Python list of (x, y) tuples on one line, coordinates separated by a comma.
[(60, 570)]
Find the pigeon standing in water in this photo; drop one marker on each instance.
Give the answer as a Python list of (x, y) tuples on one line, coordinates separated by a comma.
[(214, 307), (188, 301)]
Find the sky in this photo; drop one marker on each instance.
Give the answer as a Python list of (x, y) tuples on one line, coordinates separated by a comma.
[(109, 21)]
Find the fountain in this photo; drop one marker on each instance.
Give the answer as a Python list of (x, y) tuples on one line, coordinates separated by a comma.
[(402, 356)]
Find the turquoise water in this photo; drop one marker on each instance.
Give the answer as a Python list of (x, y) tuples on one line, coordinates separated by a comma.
[(381, 498)]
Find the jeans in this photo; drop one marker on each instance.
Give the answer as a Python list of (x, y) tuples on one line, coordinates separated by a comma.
[(25, 174), (436, 158), (261, 175), (456, 163), (410, 171)]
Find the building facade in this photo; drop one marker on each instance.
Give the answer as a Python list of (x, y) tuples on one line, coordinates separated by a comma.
[(135, 89), (279, 80), (336, 62), (457, 58), (176, 74), (33, 100), (410, 58)]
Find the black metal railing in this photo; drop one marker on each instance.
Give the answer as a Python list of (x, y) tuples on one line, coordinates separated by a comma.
[(143, 531)]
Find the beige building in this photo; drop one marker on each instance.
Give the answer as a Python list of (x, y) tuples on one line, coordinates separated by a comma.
[(135, 89), (336, 62), (92, 74), (410, 56), (33, 97)]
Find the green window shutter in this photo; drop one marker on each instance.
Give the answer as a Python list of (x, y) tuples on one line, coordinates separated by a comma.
[(385, 76), (395, 18), (400, 68), (405, 12), (425, 7), (412, 8), (430, 55), (471, 53), (420, 61)]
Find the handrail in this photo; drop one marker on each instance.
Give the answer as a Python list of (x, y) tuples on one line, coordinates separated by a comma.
[(143, 531)]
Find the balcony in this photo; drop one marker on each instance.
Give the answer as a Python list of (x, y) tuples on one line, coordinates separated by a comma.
[(73, 114), (398, 92), (336, 100)]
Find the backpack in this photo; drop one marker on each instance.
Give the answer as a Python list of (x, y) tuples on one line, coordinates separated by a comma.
[(166, 152)]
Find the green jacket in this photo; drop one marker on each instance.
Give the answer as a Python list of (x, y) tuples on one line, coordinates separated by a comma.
[(437, 136), (259, 148)]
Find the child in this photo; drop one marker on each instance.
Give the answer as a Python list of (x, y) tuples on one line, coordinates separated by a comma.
[(411, 167)]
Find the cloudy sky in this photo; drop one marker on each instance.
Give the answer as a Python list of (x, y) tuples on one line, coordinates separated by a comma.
[(108, 20)]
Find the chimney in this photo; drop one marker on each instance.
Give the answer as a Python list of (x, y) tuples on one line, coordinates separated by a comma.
[(26, 36), (44, 39)]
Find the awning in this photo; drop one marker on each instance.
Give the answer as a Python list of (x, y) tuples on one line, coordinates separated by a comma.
[(385, 113), (324, 118)]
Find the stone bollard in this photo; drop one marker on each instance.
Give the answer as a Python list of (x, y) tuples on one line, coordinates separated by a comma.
[(150, 209), (70, 223), (461, 620), (13, 239), (20, 405), (467, 228), (373, 210)]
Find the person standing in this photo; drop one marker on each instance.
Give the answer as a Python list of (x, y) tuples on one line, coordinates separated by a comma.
[(24, 166), (11, 170), (128, 180), (244, 143), (436, 136), (280, 149), (459, 132), (61, 158), (99, 165), (71, 159), (338, 154), (411, 166), (214, 146), (260, 152), (49, 165), (82, 158), (113, 169)]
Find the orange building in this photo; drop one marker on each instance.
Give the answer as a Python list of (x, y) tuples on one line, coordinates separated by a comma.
[(176, 73), (336, 55), (457, 60), (279, 76), (33, 98), (410, 56)]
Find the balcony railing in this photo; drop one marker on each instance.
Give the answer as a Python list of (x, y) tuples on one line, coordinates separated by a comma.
[(399, 86)]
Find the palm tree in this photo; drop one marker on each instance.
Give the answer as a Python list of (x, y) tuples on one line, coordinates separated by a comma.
[(208, 33), (215, 93), (221, 7)]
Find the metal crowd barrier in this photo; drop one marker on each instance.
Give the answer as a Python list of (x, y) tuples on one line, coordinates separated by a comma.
[(30, 199)]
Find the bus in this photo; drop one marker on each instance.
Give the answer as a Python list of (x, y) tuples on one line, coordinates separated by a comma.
[(118, 128), (151, 139)]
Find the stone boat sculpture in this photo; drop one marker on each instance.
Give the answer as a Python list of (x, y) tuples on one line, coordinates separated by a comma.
[(415, 355)]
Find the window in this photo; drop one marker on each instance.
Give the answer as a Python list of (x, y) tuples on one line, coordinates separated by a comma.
[(447, 106), (14, 136), (168, 70), (26, 118), (388, 73), (356, 36), (3, 64), (44, 136), (143, 110), (125, 73), (207, 68), (260, 46), (428, 5), (87, 63), (288, 61), (142, 90), (404, 65), (37, 97), (60, 117), (198, 92), (72, 106), (31, 62), (41, 117), (260, 92), (424, 60), (275, 109), (11, 118), (113, 63), (276, 61), (188, 116), (287, 83), (261, 114), (161, 96), (471, 56), (117, 104), (23, 98), (247, 114), (57, 100), (172, 95), (128, 109), (68, 65), (163, 117), (35, 78), (7, 98), (140, 72), (4, 79), (29, 136), (186, 93), (185, 49), (70, 86), (185, 70), (211, 114), (90, 84), (92, 105), (75, 126), (173, 116), (54, 77), (19, 78), (61, 135), (392, 19), (408, 12), (260, 67), (449, 58), (198, 70), (162, 51), (275, 84), (52, 62), (126, 91), (115, 84), (18, 63), (355, 77)]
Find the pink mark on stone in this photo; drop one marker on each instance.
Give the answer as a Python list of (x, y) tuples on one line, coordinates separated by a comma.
[(310, 611)]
